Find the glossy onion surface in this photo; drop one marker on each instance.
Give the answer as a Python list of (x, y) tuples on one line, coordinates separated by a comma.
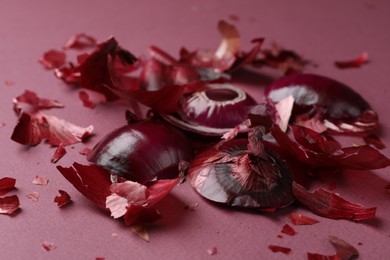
[(337, 100), (143, 151), (229, 174), (213, 110)]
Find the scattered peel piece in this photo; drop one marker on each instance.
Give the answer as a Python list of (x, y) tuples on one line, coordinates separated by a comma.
[(94, 183), (343, 249), (319, 150), (90, 98), (85, 151), (192, 207), (80, 41), (58, 154), (354, 63), (375, 141), (288, 230), (280, 249), (32, 129), (140, 231), (285, 60), (9, 82), (212, 251), (331, 205), (53, 59), (314, 256), (62, 199), (34, 196), (32, 99), (6, 185), (39, 180), (48, 246), (9, 204), (299, 219)]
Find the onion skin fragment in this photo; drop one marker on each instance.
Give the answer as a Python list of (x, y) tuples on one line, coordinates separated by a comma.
[(337, 103), (143, 151), (231, 175), (331, 205)]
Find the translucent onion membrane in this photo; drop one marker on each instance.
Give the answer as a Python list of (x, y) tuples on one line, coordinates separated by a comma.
[(213, 110), (230, 174), (339, 107), (143, 151)]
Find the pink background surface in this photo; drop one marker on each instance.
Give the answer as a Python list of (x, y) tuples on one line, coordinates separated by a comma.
[(322, 31)]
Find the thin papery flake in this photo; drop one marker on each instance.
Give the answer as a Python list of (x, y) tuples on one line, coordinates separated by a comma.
[(96, 70), (30, 98), (140, 231), (48, 246), (353, 63), (374, 140), (227, 56), (315, 256), (299, 219), (34, 196), (80, 41), (53, 59), (125, 195), (92, 181), (344, 250), (9, 204), (129, 199), (32, 129), (221, 58), (288, 230), (58, 154), (320, 150), (62, 199), (91, 99), (6, 185), (331, 205), (282, 59), (39, 180), (212, 251), (280, 249)]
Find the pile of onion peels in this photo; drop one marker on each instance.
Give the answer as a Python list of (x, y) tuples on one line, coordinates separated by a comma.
[(203, 127)]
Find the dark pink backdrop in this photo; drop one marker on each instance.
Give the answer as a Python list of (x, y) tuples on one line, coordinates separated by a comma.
[(321, 31)]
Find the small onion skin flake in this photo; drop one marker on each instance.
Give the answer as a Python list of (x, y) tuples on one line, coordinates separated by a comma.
[(6, 185), (62, 199), (299, 219), (9, 205), (143, 151), (331, 205), (280, 249), (335, 101), (229, 174), (354, 63)]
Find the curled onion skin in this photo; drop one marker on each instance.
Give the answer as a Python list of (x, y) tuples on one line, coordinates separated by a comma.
[(213, 110), (229, 174), (143, 151), (338, 100), (341, 108)]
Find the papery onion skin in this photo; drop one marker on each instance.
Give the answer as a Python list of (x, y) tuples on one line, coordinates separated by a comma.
[(229, 174), (337, 99), (143, 151)]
